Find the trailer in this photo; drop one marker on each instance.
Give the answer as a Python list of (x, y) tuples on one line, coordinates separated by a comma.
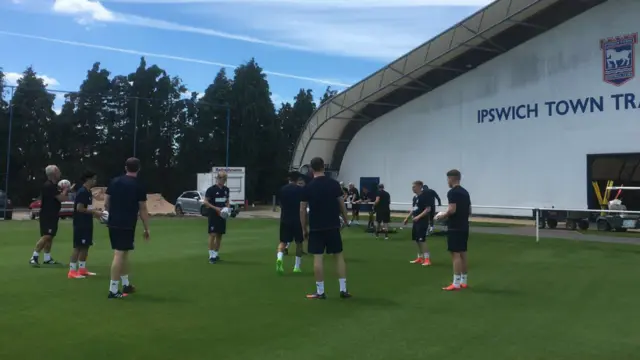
[(572, 219), (235, 182)]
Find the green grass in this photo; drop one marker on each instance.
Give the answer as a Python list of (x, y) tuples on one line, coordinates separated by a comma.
[(399, 219), (553, 300)]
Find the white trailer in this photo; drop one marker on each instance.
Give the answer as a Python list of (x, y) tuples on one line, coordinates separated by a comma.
[(235, 182)]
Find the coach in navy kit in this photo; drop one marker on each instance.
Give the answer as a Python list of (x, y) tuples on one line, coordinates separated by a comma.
[(215, 199), (126, 199)]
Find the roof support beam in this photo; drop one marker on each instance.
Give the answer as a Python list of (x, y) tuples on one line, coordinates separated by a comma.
[(345, 108), (379, 103), (409, 87), (527, 24), (481, 48), (475, 33), (401, 73), (328, 139)]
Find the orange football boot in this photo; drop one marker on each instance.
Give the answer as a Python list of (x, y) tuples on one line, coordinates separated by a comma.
[(426, 262), (73, 274), (417, 261), (451, 288), (85, 272)]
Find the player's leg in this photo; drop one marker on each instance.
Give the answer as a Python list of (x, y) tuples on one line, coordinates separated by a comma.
[(285, 238), (415, 236), (82, 261), (299, 240), (356, 213), (317, 248), (431, 216), (221, 225), (386, 219), (53, 231), (334, 247), (424, 247), (464, 239), (127, 288), (73, 262), (121, 243), (454, 247)]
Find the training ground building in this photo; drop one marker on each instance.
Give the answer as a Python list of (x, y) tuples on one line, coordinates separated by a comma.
[(531, 100)]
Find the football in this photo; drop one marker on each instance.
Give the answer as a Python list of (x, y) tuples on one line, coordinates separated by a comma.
[(105, 217), (64, 184), (440, 215), (225, 213)]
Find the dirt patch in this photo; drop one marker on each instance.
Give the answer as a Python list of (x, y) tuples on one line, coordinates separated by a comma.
[(155, 202)]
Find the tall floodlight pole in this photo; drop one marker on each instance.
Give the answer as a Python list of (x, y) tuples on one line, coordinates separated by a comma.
[(228, 127), (135, 129), (6, 183)]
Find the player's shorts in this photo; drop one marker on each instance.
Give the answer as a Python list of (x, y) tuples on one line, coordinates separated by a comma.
[(431, 215), (82, 238), (383, 216), (217, 225), (419, 231), (48, 226), (457, 240), (122, 239), (355, 209), (325, 241), (290, 233)]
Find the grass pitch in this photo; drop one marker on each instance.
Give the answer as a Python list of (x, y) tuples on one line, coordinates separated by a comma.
[(553, 300)]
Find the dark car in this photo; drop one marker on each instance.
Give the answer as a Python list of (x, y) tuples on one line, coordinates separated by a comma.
[(5, 213)]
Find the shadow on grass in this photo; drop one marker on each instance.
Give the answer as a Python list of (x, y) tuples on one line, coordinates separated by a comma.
[(371, 301), (493, 291)]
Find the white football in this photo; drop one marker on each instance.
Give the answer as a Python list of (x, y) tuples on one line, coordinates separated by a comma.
[(440, 215), (105, 217), (225, 212), (64, 184)]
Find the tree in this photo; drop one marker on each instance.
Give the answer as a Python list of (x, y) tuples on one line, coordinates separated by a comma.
[(328, 94)]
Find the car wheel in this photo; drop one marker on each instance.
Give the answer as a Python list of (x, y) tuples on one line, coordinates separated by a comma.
[(179, 210)]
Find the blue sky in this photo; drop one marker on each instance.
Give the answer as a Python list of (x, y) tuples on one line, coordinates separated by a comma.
[(300, 43)]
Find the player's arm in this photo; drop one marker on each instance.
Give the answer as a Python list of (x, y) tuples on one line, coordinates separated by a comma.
[(451, 209), (343, 210), (107, 196), (375, 203), (303, 214), (207, 201), (144, 211), (82, 205), (435, 195), (61, 196)]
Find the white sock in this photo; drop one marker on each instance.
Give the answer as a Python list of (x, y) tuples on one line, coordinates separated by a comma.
[(35, 254), (215, 254), (212, 254), (280, 255), (287, 246), (343, 285), (420, 255), (456, 280), (47, 256), (298, 262), (73, 266), (113, 286), (82, 264), (463, 279), (319, 287), (426, 255), (125, 280)]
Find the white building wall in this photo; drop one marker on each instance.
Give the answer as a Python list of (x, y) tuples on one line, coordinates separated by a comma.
[(534, 162)]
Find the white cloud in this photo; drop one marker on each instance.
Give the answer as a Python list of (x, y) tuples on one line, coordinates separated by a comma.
[(171, 57), (57, 110), (12, 79), (376, 29), (277, 99)]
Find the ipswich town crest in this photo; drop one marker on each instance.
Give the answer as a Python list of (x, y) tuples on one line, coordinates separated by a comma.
[(618, 59)]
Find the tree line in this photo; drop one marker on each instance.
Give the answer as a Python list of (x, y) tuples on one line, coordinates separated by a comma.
[(178, 133)]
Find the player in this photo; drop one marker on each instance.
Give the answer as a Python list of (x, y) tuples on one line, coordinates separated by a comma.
[(382, 206), (290, 229), (216, 198), (458, 213), (52, 197), (353, 197), (420, 213), (366, 204), (302, 182), (433, 195), (83, 214), (324, 197), (125, 200)]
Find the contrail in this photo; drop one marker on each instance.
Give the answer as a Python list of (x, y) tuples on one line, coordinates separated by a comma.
[(170, 57)]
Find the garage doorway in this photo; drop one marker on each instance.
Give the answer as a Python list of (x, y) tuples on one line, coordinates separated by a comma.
[(622, 169)]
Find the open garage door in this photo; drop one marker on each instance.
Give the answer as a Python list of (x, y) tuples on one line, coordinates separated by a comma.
[(622, 169)]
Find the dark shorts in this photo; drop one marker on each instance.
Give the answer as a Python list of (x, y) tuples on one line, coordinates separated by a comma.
[(82, 238), (290, 233), (431, 215), (383, 216), (419, 231), (457, 240), (325, 241), (217, 225), (49, 226), (355, 209), (122, 239)]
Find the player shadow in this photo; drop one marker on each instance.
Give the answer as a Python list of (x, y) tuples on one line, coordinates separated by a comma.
[(493, 291), (372, 301), (226, 262), (156, 299)]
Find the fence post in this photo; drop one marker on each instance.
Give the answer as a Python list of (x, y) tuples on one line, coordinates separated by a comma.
[(537, 214)]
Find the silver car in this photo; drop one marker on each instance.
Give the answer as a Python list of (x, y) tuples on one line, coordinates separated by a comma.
[(192, 202)]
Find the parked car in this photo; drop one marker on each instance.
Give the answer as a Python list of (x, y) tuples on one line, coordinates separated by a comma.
[(65, 211), (192, 202), (5, 213)]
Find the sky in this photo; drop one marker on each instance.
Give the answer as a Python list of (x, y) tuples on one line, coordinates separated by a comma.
[(308, 44)]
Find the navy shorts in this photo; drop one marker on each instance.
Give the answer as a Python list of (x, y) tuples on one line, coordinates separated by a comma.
[(325, 241), (383, 216), (49, 226), (122, 239), (457, 240), (82, 238), (290, 233), (419, 231), (217, 225)]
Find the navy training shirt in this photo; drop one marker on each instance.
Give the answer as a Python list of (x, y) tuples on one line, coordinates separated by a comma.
[(420, 203), (460, 219), (50, 207), (217, 196), (82, 220), (322, 194), (125, 194), (384, 204), (290, 197)]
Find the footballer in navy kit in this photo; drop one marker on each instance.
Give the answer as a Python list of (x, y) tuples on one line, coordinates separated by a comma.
[(216, 198), (420, 215)]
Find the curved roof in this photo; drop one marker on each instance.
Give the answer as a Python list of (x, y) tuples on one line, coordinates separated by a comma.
[(493, 30)]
